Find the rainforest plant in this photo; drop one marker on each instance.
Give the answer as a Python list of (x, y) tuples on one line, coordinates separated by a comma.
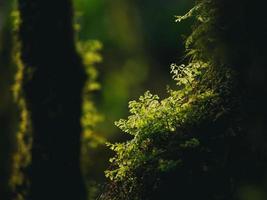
[(179, 143)]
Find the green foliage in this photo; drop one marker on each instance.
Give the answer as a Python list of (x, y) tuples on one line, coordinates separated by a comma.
[(152, 118), (154, 123), (192, 12), (162, 129)]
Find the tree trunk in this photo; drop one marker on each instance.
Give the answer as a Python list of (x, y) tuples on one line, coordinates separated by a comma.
[(7, 106), (52, 85)]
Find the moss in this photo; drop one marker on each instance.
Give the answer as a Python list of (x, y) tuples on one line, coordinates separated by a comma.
[(21, 159), (93, 143)]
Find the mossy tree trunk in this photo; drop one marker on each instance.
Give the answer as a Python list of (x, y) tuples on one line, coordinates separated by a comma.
[(52, 85)]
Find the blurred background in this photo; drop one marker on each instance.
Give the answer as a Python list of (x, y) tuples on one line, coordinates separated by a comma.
[(137, 42), (140, 40)]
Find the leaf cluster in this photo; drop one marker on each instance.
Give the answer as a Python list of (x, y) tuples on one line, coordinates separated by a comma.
[(164, 130)]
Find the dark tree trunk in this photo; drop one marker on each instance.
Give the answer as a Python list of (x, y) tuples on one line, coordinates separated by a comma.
[(7, 106), (52, 86)]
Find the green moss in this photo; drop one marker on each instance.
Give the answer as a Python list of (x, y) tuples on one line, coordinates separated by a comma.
[(21, 158), (92, 142)]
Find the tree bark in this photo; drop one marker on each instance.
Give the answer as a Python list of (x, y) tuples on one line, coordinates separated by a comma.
[(52, 85)]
